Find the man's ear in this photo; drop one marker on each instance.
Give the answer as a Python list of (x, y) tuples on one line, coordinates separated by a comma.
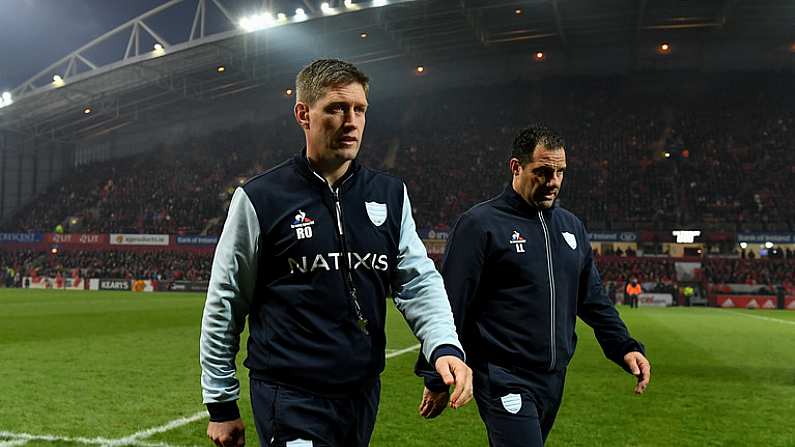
[(301, 111), (516, 166)]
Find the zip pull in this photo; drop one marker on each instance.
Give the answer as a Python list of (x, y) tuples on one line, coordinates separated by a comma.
[(361, 322)]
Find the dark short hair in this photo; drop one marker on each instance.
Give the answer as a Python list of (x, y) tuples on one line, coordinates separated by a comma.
[(525, 144), (314, 79)]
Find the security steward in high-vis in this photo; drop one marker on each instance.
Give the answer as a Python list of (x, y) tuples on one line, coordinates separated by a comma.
[(309, 253), (519, 271), (633, 292)]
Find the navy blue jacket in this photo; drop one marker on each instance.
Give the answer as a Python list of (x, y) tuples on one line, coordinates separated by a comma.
[(309, 264), (517, 278)]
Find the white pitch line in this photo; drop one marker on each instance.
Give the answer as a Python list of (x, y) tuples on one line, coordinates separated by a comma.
[(18, 439), (51, 438), (402, 351), (14, 443), (135, 439), (143, 434), (759, 317)]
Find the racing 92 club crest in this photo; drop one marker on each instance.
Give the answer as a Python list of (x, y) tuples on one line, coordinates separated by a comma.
[(517, 241), (302, 225)]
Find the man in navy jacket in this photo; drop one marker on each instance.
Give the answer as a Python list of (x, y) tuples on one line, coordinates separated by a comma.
[(519, 271), (309, 252)]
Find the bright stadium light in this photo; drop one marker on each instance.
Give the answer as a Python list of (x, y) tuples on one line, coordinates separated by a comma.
[(5, 99), (87, 111), (158, 49), (743, 245), (281, 16), (300, 14), (420, 69), (768, 245), (363, 35), (57, 80), (288, 92), (539, 55), (257, 21), (327, 9)]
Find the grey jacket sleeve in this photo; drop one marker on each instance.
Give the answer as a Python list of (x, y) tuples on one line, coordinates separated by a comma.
[(231, 287), (419, 290)]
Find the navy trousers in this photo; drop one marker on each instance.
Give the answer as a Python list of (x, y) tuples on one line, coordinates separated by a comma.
[(518, 409), (286, 417)]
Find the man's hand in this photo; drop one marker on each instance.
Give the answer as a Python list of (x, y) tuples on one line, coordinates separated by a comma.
[(228, 433), (455, 372), (433, 403), (640, 368)]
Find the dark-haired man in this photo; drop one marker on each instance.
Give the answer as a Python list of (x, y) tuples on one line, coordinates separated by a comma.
[(309, 251), (519, 271)]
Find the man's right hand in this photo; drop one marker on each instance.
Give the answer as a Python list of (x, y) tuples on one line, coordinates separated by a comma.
[(433, 403), (227, 433)]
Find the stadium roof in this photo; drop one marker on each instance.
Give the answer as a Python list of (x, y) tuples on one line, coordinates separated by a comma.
[(93, 99)]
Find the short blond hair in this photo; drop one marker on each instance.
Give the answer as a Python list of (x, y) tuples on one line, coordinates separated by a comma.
[(315, 79)]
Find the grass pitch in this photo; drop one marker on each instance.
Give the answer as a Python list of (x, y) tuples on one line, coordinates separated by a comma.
[(100, 368)]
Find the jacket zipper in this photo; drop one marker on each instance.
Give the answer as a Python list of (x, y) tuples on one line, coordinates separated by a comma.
[(347, 276), (551, 292), (361, 322)]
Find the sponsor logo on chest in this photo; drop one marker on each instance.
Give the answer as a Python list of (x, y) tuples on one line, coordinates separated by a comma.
[(518, 241), (302, 225), (331, 261)]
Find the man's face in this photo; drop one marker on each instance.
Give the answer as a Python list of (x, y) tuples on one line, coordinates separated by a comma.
[(539, 181), (335, 123)]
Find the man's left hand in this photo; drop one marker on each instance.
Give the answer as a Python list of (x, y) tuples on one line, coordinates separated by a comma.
[(641, 368), (456, 372), (433, 403)]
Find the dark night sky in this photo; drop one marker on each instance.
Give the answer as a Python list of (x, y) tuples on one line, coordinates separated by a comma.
[(36, 33)]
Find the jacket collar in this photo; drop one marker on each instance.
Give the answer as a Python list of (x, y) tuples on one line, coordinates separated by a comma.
[(305, 168), (516, 201)]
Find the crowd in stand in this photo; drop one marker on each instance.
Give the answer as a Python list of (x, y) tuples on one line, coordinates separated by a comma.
[(646, 152), (655, 273), (750, 271), (645, 270), (728, 165), (155, 265)]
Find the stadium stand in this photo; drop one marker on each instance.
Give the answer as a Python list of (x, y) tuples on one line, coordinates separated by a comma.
[(154, 265), (644, 154), (451, 148)]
